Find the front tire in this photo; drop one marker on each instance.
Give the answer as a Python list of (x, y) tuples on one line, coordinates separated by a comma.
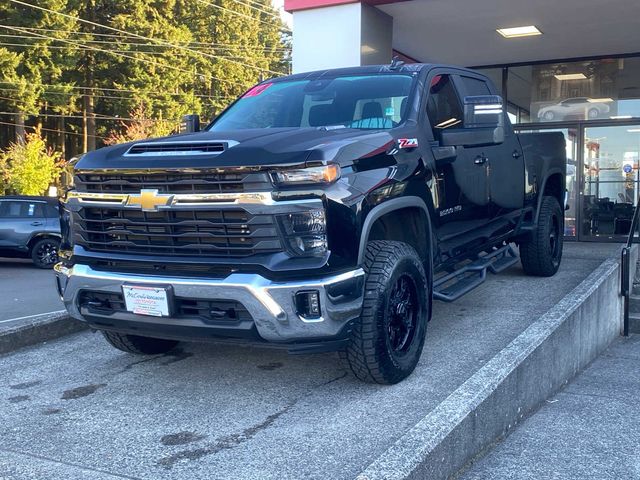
[(387, 340), (139, 345), (44, 252), (541, 255)]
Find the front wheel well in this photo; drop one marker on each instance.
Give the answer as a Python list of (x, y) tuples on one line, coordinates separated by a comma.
[(408, 225), (40, 236)]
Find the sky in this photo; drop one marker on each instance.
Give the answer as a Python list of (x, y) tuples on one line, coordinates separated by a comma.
[(286, 17)]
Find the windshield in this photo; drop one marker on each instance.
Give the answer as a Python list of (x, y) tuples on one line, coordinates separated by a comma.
[(364, 102)]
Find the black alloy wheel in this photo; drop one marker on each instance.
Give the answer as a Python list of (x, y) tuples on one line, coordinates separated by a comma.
[(45, 253), (402, 315)]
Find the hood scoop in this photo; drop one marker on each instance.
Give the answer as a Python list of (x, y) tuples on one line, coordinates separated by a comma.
[(179, 149)]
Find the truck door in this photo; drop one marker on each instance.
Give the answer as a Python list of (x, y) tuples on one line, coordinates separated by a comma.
[(462, 183), (505, 162)]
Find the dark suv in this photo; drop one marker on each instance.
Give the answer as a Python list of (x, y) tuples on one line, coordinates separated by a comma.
[(30, 227)]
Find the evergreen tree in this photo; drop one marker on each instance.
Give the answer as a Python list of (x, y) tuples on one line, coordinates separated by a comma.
[(165, 58)]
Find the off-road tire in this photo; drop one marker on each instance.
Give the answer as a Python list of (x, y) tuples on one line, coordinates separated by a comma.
[(139, 345), (44, 252), (541, 255), (370, 355)]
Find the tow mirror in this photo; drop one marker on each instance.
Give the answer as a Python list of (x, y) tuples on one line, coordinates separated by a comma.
[(483, 123), (190, 123)]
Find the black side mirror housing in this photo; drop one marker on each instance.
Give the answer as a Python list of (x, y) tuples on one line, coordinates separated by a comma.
[(190, 123), (483, 123)]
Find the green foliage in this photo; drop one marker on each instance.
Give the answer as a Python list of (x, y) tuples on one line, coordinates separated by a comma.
[(140, 127), (29, 168), (168, 57)]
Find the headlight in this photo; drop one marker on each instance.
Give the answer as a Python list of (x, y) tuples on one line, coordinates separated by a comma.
[(324, 174), (305, 232)]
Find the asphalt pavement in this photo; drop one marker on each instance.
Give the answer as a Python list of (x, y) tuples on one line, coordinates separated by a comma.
[(77, 408), (26, 290), (588, 431)]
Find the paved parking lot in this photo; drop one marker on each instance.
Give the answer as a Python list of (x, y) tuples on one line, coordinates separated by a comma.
[(76, 408), (26, 290)]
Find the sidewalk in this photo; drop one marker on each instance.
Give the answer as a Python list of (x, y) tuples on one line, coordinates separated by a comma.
[(590, 430)]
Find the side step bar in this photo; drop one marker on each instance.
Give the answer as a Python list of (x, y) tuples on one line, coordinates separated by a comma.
[(454, 285)]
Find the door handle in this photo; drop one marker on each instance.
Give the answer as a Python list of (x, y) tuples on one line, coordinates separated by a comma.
[(480, 160), (37, 224), (516, 154)]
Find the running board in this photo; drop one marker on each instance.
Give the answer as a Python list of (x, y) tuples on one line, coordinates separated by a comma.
[(454, 285)]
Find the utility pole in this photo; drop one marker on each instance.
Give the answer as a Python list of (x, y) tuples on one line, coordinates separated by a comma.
[(88, 115), (20, 131)]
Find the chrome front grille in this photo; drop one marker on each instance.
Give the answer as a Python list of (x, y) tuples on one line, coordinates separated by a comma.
[(210, 233), (173, 183)]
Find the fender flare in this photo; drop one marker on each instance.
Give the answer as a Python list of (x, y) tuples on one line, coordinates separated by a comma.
[(550, 173), (390, 206)]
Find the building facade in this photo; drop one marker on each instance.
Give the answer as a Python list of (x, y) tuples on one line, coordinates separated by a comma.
[(570, 66)]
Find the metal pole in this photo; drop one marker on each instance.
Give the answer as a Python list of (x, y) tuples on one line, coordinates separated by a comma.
[(625, 269)]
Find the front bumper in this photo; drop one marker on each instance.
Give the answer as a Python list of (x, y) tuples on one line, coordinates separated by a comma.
[(271, 304)]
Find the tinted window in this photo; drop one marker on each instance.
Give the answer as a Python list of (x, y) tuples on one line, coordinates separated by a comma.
[(363, 102), (21, 209), (475, 87), (443, 106), (52, 211)]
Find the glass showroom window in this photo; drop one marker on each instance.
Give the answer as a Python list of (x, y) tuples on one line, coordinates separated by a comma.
[(575, 91)]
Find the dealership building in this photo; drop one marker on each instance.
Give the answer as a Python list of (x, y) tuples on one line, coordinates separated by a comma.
[(562, 65)]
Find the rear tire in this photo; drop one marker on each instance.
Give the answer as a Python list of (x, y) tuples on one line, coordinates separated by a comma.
[(541, 255), (139, 345), (44, 252), (387, 340)]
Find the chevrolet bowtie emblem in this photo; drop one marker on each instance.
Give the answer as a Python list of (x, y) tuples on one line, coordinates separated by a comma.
[(149, 200)]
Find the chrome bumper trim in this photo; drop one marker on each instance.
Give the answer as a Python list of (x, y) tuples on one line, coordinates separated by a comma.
[(185, 200), (271, 304)]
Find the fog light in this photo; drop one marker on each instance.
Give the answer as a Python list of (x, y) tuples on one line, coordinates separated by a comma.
[(308, 304)]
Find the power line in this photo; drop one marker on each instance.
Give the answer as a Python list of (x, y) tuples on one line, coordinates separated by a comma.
[(19, 2), (261, 10), (112, 35), (51, 130), (97, 116), (85, 47), (145, 93), (148, 45), (151, 62), (205, 2)]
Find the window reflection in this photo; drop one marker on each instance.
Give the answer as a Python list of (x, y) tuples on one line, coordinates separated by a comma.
[(571, 91), (611, 179)]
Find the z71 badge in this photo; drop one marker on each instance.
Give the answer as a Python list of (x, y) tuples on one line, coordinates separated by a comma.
[(407, 142)]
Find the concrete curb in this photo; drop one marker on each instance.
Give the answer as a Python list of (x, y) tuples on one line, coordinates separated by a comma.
[(39, 328), (531, 368)]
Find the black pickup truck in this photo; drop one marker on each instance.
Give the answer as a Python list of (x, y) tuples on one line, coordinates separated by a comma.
[(320, 211)]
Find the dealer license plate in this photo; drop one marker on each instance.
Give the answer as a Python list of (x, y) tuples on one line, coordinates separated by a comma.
[(152, 301)]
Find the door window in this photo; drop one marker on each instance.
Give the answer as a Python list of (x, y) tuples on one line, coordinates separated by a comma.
[(443, 105), (21, 209)]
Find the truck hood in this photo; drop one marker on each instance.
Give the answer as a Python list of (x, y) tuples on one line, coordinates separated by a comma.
[(244, 148)]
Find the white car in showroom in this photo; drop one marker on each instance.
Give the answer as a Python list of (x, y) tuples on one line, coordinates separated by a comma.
[(582, 107)]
